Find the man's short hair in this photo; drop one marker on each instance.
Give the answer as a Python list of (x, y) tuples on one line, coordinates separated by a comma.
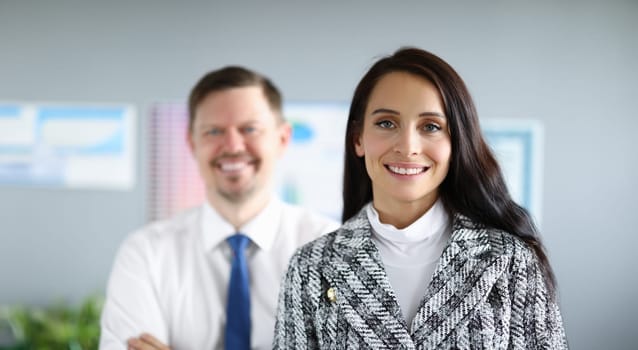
[(228, 78)]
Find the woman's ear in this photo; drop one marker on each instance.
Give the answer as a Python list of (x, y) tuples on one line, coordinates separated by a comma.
[(358, 147)]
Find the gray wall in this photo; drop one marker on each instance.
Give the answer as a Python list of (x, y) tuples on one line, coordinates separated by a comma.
[(571, 64)]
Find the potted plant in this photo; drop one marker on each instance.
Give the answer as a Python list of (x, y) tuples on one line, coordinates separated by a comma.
[(58, 326)]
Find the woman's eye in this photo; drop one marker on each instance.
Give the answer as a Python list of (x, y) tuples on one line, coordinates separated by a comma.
[(385, 124), (431, 127)]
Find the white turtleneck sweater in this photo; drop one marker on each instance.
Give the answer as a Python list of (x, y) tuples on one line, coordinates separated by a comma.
[(410, 255)]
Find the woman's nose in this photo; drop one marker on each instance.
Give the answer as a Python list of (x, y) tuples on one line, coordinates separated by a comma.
[(408, 143)]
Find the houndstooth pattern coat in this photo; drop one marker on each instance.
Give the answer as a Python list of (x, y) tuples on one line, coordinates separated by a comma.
[(487, 292)]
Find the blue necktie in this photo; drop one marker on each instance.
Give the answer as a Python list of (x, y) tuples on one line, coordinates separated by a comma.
[(237, 336)]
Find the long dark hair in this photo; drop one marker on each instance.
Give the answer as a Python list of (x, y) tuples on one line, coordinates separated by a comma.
[(474, 185)]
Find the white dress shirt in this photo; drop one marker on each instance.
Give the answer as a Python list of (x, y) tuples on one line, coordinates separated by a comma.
[(410, 255), (170, 279)]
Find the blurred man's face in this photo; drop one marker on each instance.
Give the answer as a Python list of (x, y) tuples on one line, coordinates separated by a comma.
[(236, 140)]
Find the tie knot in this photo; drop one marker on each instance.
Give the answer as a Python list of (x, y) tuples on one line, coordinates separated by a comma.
[(238, 243)]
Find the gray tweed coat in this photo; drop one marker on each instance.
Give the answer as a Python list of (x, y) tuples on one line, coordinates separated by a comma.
[(487, 293)]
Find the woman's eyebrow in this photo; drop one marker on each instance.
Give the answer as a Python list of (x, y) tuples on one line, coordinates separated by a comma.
[(432, 114), (392, 111), (385, 111)]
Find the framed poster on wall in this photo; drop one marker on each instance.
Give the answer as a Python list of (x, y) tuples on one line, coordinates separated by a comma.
[(67, 146)]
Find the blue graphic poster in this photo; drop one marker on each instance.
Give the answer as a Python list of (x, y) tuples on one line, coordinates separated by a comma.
[(67, 146)]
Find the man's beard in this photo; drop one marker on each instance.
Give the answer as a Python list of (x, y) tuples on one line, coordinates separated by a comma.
[(238, 197)]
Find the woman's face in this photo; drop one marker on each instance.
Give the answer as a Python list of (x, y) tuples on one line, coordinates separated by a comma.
[(405, 142)]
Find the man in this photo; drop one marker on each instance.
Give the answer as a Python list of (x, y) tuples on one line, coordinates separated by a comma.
[(174, 282)]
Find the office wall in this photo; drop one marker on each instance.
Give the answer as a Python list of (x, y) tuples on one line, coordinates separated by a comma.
[(570, 64)]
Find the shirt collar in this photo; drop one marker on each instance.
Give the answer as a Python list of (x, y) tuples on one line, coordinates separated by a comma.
[(433, 222), (262, 229)]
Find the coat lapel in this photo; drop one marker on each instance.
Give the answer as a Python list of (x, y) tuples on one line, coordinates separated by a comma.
[(467, 269), (363, 292)]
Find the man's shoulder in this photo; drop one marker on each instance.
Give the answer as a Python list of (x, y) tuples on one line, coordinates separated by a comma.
[(299, 216), (178, 227), (299, 225)]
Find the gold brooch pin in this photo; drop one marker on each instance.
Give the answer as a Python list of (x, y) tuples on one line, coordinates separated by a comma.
[(331, 294)]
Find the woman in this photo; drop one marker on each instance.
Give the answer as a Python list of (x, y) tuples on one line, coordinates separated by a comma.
[(433, 253)]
